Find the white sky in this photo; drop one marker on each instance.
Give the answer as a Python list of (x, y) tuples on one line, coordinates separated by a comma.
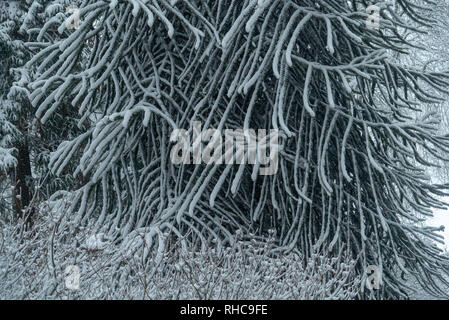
[(441, 217)]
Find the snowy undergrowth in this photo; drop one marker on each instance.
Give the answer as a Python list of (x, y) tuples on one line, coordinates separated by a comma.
[(33, 265)]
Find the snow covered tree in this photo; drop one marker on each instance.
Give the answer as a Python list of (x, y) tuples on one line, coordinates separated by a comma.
[(62, 124), (25, 146), (14, 150), (10, 53), (432, 55), (351, 167)]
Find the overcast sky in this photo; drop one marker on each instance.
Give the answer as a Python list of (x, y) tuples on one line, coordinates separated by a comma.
[(441, 217)]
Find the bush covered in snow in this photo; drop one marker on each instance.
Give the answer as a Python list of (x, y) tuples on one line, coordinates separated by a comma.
[(34, 264)]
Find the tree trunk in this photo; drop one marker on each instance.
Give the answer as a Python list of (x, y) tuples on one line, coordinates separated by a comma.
[(22, 180)]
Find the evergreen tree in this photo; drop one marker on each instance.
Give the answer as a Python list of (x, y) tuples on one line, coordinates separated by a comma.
[(351, 166), (24, 145), (14, 151)]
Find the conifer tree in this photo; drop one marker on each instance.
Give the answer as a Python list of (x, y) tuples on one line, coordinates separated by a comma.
[(14, 111), (25, 146), (351, 169)]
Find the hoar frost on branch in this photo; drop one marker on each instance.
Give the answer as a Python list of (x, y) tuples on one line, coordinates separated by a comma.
[(350, 167)]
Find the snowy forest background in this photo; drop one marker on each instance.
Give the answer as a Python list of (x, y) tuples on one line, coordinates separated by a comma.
[(86, 181)]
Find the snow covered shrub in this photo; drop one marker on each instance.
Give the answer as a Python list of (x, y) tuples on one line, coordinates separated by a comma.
[(33, 264), (249, 271)]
